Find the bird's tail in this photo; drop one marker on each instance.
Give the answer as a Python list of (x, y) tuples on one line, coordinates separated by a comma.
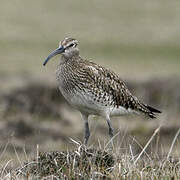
[(148, 110)]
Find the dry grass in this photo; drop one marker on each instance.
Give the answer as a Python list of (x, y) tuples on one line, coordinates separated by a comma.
[(108, 162)]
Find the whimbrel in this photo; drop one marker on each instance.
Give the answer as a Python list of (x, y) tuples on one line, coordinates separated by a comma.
[(94, 89)]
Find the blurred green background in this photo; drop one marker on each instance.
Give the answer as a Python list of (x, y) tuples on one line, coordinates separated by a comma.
[(139, 40)]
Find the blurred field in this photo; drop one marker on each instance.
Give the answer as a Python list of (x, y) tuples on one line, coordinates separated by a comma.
[(139, 40), (120, 35)]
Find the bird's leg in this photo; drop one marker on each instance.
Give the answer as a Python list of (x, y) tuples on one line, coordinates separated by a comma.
[(87, 133), (111, 134), (86, 127)]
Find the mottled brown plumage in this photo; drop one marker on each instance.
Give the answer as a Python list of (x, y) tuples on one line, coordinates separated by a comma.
[(94, 89)]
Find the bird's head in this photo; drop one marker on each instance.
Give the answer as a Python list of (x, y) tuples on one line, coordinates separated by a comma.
[(67, 47)]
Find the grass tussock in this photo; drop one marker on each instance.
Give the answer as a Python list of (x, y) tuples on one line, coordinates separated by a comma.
[(81, 163), (90, 163), (100, 163)]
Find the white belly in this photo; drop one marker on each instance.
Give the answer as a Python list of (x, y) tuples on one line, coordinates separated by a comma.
[(84, 102), (114, 111)]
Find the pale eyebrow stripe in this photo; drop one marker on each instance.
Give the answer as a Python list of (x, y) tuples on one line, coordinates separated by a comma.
[(74, 41)]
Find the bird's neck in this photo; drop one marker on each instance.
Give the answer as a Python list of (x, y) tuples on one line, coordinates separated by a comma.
[(74, 54), (70, 57)]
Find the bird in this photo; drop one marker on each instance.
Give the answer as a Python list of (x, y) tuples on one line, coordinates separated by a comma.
[(93, 89)]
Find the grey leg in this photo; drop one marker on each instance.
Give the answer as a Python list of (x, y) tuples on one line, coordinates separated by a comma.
[(86, 127), (111, 134)]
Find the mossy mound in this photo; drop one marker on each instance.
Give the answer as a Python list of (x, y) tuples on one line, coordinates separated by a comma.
[(78, 164)]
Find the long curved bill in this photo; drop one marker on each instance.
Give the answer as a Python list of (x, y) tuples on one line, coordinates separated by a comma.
[(54, 53)]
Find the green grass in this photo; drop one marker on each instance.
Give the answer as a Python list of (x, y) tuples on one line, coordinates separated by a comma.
[(119, 35)]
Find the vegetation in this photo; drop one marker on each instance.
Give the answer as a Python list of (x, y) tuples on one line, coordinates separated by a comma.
[(97, 163)]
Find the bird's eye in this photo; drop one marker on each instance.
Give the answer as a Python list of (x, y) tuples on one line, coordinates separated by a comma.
[(71, 45)]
